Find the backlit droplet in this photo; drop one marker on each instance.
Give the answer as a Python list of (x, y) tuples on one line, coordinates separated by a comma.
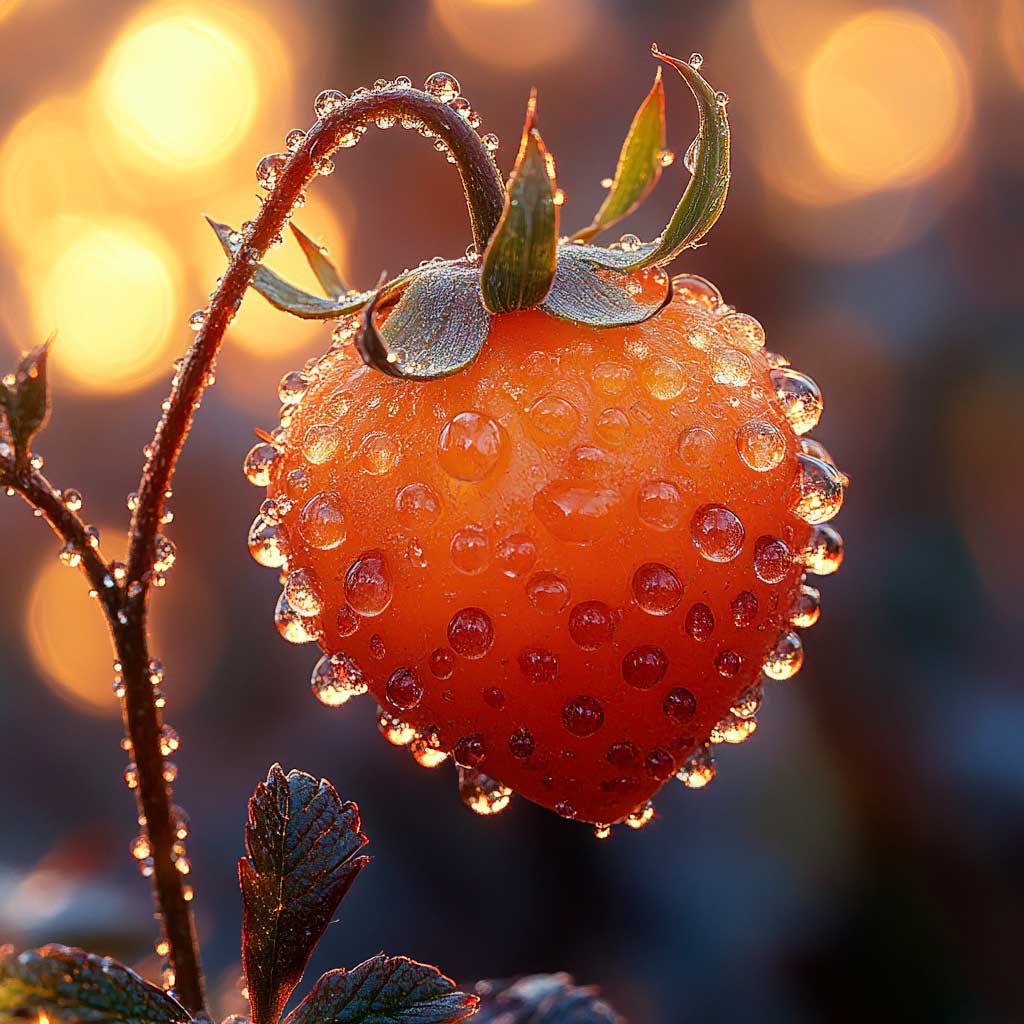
[(700, 621), (657, 589), (328, 102), (336, 679), (442, 85), (482, 794), (591, 625), (320, 442), (697, 447), (733, 729), (663, 378), (267, 543), (582, 716), (521, 743), (697, 291), (292, 388), (717, 533), (470, 751), (471, 633), (395, 731), (824, 552), (442, 662), (577, 511), (728, 663), (744, 609), (806, 608), (470, 550), (302, 591), (295, 628), (610, 377), (378, 453), (259, 463), (660, 504), (818, 489), (680, 705), (698, 769), (745, 328), (642, 815), (515, 555), (418, 505), (426, 753), (469, 446), (322, 521), (748, 702), (368, 585), (612, 427), (553, 418), (547, 592), (786, 657), (268, 170), (799, 397), (644, 667), (538, 664), (404, 689), (761, 445), (772, 559)]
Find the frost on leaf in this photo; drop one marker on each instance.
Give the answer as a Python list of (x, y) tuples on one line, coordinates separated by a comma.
[(384, 990), (302, 842), (68, 985), (541, 999)]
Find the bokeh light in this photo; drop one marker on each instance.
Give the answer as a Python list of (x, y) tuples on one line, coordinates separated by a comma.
[(789, 31), (885, 100), (1011, 36), (110, 289)]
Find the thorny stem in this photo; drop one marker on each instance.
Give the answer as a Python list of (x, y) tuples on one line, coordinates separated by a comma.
[(126, 606)]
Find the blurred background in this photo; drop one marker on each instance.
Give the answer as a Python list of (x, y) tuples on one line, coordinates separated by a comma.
[(866, 848)]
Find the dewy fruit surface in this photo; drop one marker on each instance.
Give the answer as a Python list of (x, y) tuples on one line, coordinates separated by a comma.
[(565, 564)]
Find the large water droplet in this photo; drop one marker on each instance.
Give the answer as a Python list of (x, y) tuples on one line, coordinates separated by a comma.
[(417, 505), (552, 418), (697, 447), (786, 657), (799, 397), (482, 794), (772, 559), (644, 667), (660, 504), (824, 552), (368, 586), (591, 625), (295, 628), (470, 550), (547, 592), (657, 589), (582, 715), (471, 633), (761, 445), (443, 85), (717, 533), (267, 543), (336, 679), (470, 446), (404, 689), (818, 490), (259, 463), (302, 591), (322, 521)]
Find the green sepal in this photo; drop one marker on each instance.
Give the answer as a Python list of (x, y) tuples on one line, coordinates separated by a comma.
[(519, 263), (286, 296), (639, 165), (437, 326), (586, 291), (326, 272), (25, 399)]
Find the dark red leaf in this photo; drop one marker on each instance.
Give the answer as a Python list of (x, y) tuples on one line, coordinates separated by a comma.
[(541, 999)]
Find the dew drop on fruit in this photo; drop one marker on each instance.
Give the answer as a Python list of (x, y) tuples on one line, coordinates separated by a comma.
[(644, 667), (320, 442), (470, 751), (328, 102), (368, 586), (336, 679), (582, 716), (660, 504), (806, 608), (403, 689), (469, 446), (426, 752), (744, 609), (322, 521), (521, 743), (748, 702), (663, 378), (538, 664), (470, 550), (302, 591), (548, 592), (785, 657), (697, 447), (612, 427), (591, 625), (516, 555), (761, 445), (623, 754), (818, 490), (267, 543), (296, 482), (639, 817), (698, 769), (443, 85), (656, 588), (717, 533), (577, 511), (697, 291), (442, 662), (679, 705), (395, 731), (347, 621), (728, 663), (772, 559), (745, 328), (659, 764), (471, 633), (824, 552), (730, 367), (292, 388), (552, 418), (259, 463), (733, 729), (295, 628), (610, 377), (700, 621), (378, 453), (799, 397), (482, 794), (417, 505)]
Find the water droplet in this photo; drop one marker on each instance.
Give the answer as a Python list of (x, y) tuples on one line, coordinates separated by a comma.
[(786, 657), (761, 445), (197, 320), (418, 505), (267, 543), (698, 769), (806, 607), (140, 848), (612, 427), (322, 521), (521, 743), (470, 550), (442, 662), (295, 628), (368, 586), (799, 397), (700, 621), (577, 511), (629, 243), (72, 499), (697, 447), (666, 158), (717, 533), (378, 453), (471, 633), (772, 559), (642, 815), (482, 794), (259, 463), (302, 591), (748, 702), (493, 697), (819, 490), (470, 446), (170, 741), (426, 752), (582, 715), (294, 139), (696, 61), (516, 555), (553, 418), (538, 664), (824, 552), (320, 442), (730, 367), (491, 142), (547, 592), (610, 378), (292, 388), (644, 667), (663, 378), (347, 621), (591, 625), (697, 291), (657, 589), (404, 689), (470, 751), (744, 609), (728, 663), (268, 170), (680, 705), (733, 729), (660, 504), (328, 102), (442, 85), (396, 732), (336, 679)]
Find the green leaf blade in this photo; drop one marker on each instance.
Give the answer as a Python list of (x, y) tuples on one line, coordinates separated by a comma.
[(74, 987), (326, 272), (384, 990), (519, 263), (639, 164)]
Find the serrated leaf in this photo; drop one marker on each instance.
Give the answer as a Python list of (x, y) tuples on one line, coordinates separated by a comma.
[(519, 263), (286, 296), (301, 841), (586, 291), (384, 990), (69, 985), (25, 399), (639, 165), (326, 272), (541, 999), (438, 326)]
